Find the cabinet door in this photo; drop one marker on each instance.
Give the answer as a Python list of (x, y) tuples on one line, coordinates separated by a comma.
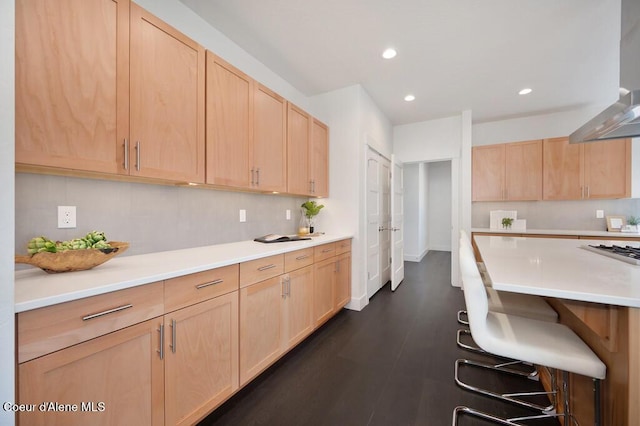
[(562, 170), (488, 172), (523, 171), (299, 306), (323, 298), (342, 290), (269, 140), (319, 159), (201, 358), (607, 169), (167, 101), (72, 83), (122, 369), (260, 326), (229, 93), (298, 137)]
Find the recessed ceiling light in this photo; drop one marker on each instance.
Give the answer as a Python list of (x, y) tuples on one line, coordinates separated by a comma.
[(409, 98), (525, 91), (389, 53)]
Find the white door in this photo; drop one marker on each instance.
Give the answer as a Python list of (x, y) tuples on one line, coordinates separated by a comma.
[(385, 220), (397, 225), (373, 223)]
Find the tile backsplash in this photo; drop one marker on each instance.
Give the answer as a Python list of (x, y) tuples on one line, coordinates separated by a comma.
[(570, 215), (150, 217)]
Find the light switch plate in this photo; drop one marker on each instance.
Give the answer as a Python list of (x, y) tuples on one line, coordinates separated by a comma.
[(599, 214), (243, 215), (288, 214)]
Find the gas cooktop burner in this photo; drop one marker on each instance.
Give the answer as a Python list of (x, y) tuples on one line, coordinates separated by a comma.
[(627, 254)]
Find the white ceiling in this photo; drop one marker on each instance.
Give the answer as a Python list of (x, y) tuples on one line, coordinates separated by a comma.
[(453, 55)]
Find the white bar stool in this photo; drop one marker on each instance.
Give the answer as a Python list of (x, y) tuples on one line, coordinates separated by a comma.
[(538, 342)]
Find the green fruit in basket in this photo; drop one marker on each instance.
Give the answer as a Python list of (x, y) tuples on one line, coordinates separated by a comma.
[(41, 244), (95, 236), (101, 245)]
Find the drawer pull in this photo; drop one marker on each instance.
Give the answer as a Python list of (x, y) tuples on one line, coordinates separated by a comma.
[(304, 256), (327, 250), (214, 282), (107, 312), (264, 268)]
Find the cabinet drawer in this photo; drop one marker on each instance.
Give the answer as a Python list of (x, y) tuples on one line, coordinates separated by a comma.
[(194, 288), (298, 259), (261, 269), (343, 246), (324, 251), (45, 330)]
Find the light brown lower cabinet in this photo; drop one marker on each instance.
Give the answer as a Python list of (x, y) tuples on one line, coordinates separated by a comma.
[(275, 315), (114, 379), (332, 286), (171, 352), (201, 358)]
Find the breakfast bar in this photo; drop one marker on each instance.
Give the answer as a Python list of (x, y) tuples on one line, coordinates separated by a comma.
[(596, 295)]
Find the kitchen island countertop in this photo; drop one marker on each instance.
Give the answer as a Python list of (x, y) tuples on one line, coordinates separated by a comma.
[(552, 232), (35, 288)]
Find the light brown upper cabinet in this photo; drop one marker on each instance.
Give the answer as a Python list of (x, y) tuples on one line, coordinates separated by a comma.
[(319, 159), (511, 171), (167, 101), (72, 83), (307, 154), (590, 170), (104, 86), (246, 130)]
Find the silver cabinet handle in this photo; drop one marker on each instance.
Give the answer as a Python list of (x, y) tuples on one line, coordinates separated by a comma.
[(125, 164), (161, 350), (289, 286), (310, 186), (107, 312), (304, 256), (327, 250), (588, 191), (252, 180), (173, 336), (582, 192), (214, 282), (264, 268), (138, 155), (283, 283), (313, 186), (338, 266), (258, 176)]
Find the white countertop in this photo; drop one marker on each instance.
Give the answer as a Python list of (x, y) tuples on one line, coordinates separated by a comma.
[(35, 288), (551, 232), (556, 267)]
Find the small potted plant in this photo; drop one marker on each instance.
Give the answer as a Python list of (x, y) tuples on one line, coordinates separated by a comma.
[(310, 210), (633, 223), (507, 222)]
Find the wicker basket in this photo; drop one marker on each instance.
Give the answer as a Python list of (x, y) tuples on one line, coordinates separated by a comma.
[(73, 260)]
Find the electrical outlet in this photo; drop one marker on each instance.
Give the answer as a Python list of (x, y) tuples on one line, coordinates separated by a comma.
[(288, 214), (599, 214), (66, 216), (243, 215)]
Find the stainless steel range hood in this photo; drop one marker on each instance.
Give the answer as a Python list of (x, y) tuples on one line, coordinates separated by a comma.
[(622, 119)]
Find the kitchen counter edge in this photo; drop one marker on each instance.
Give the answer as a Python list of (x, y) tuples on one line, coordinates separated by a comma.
[(551, 232), (35, 288)]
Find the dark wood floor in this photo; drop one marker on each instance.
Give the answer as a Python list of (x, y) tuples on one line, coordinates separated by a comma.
[(390, 364)]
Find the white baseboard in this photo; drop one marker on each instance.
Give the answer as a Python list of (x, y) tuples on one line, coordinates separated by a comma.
[(415, 258), (358, 303), (440, 248)]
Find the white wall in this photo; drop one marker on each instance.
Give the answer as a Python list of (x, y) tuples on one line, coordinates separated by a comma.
[(444, 139), (533, 127), (415, 179), (439, 214), (354, 120), (7, 212)]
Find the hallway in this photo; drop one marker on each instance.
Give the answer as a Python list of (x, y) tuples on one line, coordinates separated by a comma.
[(390, 364)]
